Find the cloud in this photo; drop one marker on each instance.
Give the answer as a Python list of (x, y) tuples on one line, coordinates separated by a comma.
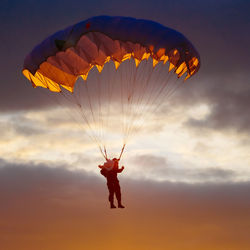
[(227, 99), (24, 126), (54, 208), (148, 161), (215, 174), (46, 136), (159, 168)]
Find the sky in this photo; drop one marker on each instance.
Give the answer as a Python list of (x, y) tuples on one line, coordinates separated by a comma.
[(187, 173)]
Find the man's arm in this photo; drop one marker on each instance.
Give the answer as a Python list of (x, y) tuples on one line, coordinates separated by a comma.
[(119, 170)]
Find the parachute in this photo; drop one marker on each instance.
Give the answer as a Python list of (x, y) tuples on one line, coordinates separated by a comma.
[(143, 61)]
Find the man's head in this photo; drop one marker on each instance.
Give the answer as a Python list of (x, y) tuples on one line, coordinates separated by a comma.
[(116, 161)]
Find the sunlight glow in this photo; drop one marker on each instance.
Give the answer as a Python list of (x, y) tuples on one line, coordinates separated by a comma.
[(199, 112)]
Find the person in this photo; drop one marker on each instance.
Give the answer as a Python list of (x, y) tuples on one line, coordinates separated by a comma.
[(110, 169)]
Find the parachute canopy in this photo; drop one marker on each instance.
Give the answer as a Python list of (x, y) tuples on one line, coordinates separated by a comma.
[(116, 97), (61, 58)]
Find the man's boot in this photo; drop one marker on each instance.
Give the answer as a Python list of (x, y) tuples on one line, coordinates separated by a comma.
[(112, 205), (120, 205)]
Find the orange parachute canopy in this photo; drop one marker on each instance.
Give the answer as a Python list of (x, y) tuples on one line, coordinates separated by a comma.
[(63, 57)]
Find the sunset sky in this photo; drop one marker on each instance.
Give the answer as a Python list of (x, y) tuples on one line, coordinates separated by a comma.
[(187, 173)]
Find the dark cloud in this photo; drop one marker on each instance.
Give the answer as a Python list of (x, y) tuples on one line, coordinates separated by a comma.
[(153, 166), (226, 116), (25, 126), (149, 161), (215, 174), (54, 208)]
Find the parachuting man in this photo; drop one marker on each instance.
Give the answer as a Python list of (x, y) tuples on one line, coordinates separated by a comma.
[(110, 169)]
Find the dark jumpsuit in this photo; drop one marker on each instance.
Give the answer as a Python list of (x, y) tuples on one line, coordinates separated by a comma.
[(113, 184)]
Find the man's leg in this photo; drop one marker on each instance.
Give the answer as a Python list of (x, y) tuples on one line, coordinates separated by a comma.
[(117, 190), (111, 194)]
